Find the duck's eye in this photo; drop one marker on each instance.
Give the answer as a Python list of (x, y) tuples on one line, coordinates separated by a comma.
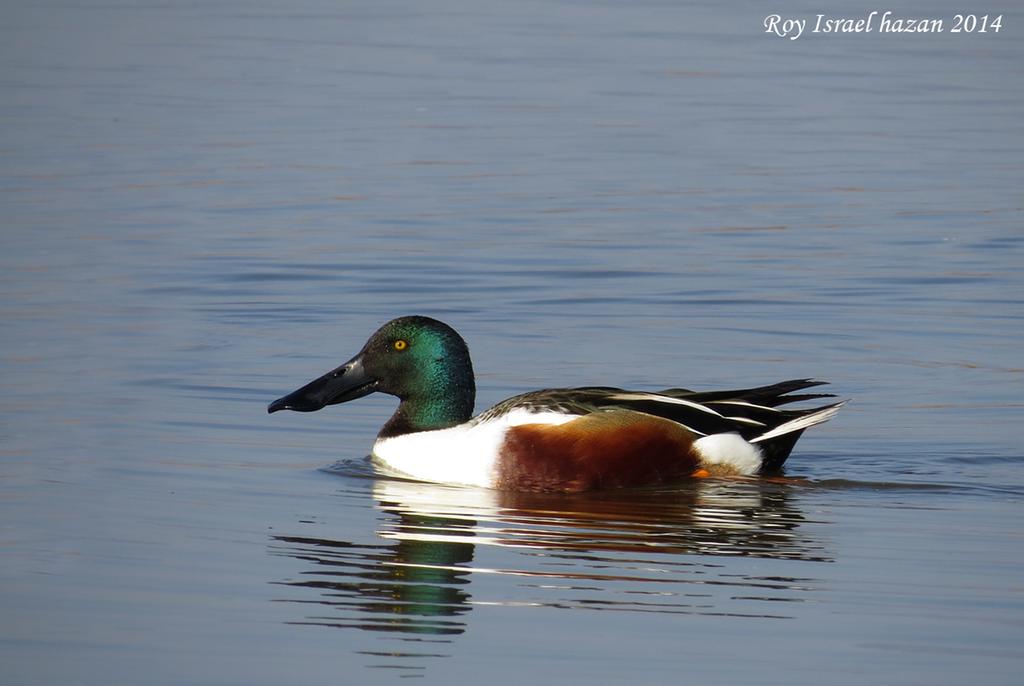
[(401, 344)]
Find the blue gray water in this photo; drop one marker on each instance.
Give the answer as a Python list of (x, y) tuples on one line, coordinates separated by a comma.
[(207, 204)]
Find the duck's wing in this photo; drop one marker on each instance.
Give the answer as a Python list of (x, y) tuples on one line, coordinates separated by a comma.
[(751, 412), (569, 401), (770, 396)]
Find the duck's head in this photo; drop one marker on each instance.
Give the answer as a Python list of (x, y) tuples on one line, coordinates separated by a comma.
[(422, 361)]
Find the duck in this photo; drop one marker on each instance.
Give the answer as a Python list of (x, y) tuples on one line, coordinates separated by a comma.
[(559, 439)]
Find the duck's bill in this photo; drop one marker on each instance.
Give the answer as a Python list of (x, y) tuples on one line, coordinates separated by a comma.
[(347, 382)]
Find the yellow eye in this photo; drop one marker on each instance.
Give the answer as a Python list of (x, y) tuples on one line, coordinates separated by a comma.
[(401, 344)]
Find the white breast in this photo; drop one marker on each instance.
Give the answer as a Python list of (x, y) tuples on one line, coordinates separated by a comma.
[(466, 454)]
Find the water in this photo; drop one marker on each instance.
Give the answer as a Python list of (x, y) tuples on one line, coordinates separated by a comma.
[(207, 205)]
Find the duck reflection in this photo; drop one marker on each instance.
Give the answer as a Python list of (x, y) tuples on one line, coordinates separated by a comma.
[(695, 549), (411, 586)]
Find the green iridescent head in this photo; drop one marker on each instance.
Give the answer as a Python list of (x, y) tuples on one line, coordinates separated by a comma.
[(422, 361)]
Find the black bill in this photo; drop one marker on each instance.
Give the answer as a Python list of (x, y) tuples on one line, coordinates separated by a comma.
[(347, 382)]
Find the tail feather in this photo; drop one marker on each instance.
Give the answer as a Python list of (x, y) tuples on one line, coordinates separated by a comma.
[(804, 421), (777, 444), (772, 395), (775, 452)]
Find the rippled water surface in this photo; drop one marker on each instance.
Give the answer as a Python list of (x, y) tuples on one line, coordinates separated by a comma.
[(206, 205)]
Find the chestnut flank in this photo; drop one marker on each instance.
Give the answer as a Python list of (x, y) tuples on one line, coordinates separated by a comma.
[(611, 449)]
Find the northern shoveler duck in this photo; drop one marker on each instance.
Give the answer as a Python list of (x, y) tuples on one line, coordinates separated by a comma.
[(564, 439)]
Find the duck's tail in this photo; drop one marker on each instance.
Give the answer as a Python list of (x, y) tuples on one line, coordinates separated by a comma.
[(776, 444)]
